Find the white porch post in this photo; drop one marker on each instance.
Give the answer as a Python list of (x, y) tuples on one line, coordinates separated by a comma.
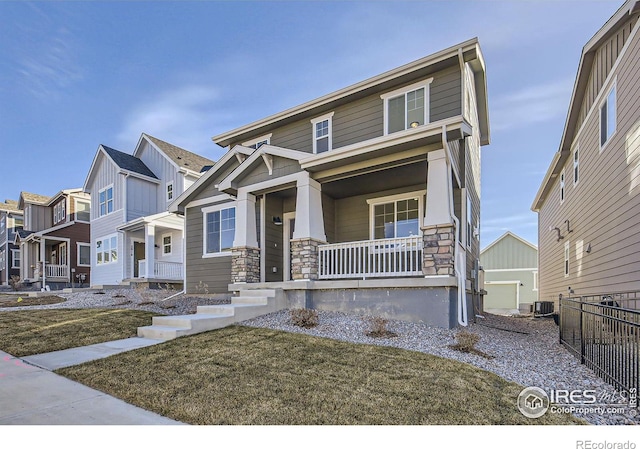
[(309, 219), (149, 250), (309, 229), (439, 190), (246, 230), (43, 251)]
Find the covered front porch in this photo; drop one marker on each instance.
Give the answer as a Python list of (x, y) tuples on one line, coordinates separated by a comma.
[(155, 248)]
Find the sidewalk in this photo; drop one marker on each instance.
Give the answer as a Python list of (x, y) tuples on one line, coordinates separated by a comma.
[(31, 394)]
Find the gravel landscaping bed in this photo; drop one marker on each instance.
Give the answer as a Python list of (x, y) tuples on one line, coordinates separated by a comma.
[(524, 350)]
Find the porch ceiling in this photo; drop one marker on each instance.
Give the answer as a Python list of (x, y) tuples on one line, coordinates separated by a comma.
[(392, 178)]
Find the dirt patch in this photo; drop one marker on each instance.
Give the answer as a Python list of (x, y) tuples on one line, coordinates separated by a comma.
[(25, 301)]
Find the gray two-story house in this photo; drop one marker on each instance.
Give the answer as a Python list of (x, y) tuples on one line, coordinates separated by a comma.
[(133, 236), (366, 199), (11, 222)]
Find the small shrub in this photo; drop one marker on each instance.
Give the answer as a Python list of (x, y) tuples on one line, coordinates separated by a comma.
[(466, 342), (15, 282), (202, 288), (306, 318), (378, 328)]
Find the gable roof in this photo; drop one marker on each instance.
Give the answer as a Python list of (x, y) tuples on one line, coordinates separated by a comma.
[(33, 198), (181, 157), (629, 8), (10, 206), (128, 162), (61, 193), (505, 235), (468, 51)]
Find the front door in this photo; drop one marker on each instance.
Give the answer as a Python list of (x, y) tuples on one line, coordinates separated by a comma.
[(138, 254), (289, 224)]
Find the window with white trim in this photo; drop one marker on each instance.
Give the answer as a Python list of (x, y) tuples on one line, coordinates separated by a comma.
[(105, 200), (566, 259), (407, 107), (3, 225), (322, 133), (15, 258), (562, 187), (169, 191), (576, 165), (83, 211), (166, 244), (84, 255), (396, 216), (59, 212), (219, 224), (2, 261), (107, 250), (258, 142), (608, 117)]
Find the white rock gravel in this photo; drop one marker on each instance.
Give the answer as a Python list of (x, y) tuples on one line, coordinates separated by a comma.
[(525, 350)]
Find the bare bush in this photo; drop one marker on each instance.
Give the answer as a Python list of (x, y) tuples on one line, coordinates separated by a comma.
[(378, 328), (304, 317)]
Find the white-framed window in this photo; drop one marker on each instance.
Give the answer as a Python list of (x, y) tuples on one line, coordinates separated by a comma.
[(576, 165), (107, 250), (535, 281), (2, 261), (219, 229), (166, 244), (59, 212), (27, 214), (407, 107), (169, 191), (396, 215), (562, 187), (322, 133), (84, 255), (83, 211), (608, 116), (105, 200), (3, 224), (15, 258), (567, 248), (62, 248), (258, 142), (18, 223)]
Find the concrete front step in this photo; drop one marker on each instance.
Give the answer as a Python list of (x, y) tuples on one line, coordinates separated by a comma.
[(213, 317), (259, 293)]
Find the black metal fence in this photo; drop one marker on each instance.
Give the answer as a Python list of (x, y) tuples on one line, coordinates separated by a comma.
[(603, 331)]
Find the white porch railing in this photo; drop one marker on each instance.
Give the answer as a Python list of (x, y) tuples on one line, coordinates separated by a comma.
[(161, 270), (371, 258), (56, 271)]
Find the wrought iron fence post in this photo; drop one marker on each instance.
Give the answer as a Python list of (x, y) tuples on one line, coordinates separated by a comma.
[(581, 332)]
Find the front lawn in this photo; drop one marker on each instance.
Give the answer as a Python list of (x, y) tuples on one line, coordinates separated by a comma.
[(243, 375), (29, 332), (22, 300)]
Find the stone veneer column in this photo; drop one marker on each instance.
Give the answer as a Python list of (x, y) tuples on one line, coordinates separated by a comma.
[(438, 251), (304, 259), (245, 264)]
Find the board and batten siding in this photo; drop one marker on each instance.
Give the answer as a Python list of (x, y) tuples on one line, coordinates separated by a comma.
[(165, 170), (603, 208), (509, 253), (142, 198), (214, 272), (111, 273), (363, 119)]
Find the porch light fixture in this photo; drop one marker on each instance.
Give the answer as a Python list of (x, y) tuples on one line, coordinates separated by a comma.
[(277, 221), (414, 124)]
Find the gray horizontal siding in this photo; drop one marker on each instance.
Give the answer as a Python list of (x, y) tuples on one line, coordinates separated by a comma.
[(604, 206), (215, 272), (446, 95), (281, 167)]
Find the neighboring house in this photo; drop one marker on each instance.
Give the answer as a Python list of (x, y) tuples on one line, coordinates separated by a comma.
[(54, 243), (132, 234), (366, 199), (10, 222), (589, 202), (510, 266)]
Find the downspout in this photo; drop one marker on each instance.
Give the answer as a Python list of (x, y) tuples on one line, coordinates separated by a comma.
[(184, 260), (459, 271)]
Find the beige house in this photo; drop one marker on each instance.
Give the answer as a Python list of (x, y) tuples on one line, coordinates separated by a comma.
[(366, 199), (589, 202), (510, 266)]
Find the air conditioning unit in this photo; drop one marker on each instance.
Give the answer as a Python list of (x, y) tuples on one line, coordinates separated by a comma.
[(542, 308)]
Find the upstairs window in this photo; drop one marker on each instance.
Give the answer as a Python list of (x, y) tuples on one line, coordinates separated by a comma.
[(59, 212), (322, 133), (407, 107), (258, 142), (576, 166), (169, 191), (608, 116), (561, 187), (566, 259), (83, 211), (105, 198), (2, 224)]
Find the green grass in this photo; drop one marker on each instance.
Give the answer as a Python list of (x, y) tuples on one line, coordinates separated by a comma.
[(242, 375), (28, 332)]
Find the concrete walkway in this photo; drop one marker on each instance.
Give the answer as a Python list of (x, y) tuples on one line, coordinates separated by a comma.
[(31, 394)]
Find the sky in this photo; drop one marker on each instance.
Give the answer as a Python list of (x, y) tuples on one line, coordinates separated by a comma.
[(75, 74)]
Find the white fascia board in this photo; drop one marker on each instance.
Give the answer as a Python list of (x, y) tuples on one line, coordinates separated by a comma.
[(100, 150), (139, 176)]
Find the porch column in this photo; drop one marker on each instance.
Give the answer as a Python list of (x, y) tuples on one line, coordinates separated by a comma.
[(43, 255), (149, 250), (245, 254), (438, 226), (309, 229)]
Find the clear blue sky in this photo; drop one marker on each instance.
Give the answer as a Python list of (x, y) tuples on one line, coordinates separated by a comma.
[(74, 75)]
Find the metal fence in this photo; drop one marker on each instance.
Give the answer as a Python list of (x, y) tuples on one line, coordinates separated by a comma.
[(603, 331)]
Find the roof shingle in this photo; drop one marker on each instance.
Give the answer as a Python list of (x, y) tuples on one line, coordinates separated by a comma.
[(129, 162), (34, 198), (183, 158)]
